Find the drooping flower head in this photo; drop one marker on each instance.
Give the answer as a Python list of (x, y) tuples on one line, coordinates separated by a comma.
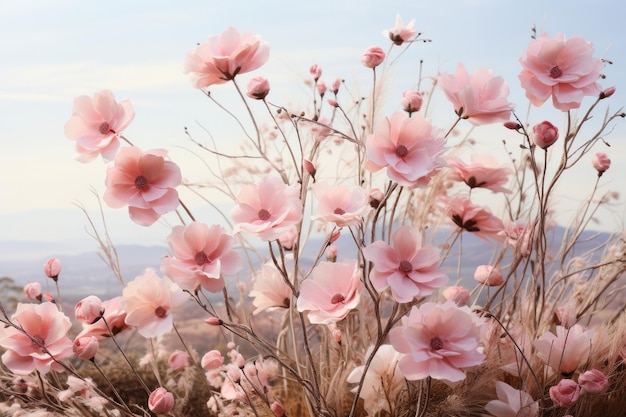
[(480, 98), (406, 267), (341, 205), (409, 147), (145, 181), (483, 171), (565, 70), (439, 340), (224, 56), (96, 124), (471, 217), (201, 255)]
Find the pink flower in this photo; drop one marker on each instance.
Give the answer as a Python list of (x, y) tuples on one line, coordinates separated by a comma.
[(601, 162), (114, 316), (565, 394), (332, 291), (269, 289), (512, 403), (161, 401), (409, 147), (544, 134), (267, 209), (459, 295), (288, 239), (563, 69), (488, 275), (565, 350), (86, 347), (41, 341), (201, 255), (480, 98), (593, 382), (149, 301), (335, 85), (439, 340), (482, 172), (410, 270), (607, 92), (321, 88), (277, 409), (258, 88), (411, 101), (316, 71), (178, 360), (567, 315), (96, 124), (383, 380), (212, 360), (224, 56), (145, 181), (32, 290), (400, 33), (472, 218), (519, 235), (341, 205), (89, 309), (52, 268), (372, 57)]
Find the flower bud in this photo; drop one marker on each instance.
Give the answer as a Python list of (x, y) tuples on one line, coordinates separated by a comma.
[(161, 401), (334, 236), (178, 360), (89, 309), (333, 103), (277, 409), (372, 57), (459, 295), (309, 167), (512, 125), (565, 394), (593, 382), (566, 315), (544, 134), (212, 360), (331, 255), (288, 239), (316, 71), (32, 290), (86, 347), (488, 275), (607, 93), (335, 85), (52, 268), (213, 321), (376, 197), (258, 88), (601, 162), (321, 88), (411, 101)]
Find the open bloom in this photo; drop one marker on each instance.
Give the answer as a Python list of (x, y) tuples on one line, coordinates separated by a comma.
[(480, 98), (512, 402), (201, 255), (400, 33), (383, 380), (483, 171), (406, 267), (563, 69), (269, 289), (145, 181), (409, 147), (223, 56), (332, 291), (564, 351), (267, 209), (113, 317), (96, 124), (41, 341), (472, 218), (438, 340), (341, 205), (149, 301)]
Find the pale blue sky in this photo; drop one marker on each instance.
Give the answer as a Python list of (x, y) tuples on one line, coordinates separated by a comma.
[(55, 50)]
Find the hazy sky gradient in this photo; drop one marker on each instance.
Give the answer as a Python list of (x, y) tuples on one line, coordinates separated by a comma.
[(55, 50)]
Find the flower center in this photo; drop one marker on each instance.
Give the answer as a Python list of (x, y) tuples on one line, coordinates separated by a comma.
[(263, 214), (339, 211), (556, 72), (141, 181), (161, 313), (337, 298), (405, 266), (436, 343), (104, 128), (201, 258), (402, 151)]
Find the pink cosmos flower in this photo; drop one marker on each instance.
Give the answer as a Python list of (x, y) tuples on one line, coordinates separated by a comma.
[(471, 218), (439, 340), (341, 205), (484, 171), (201, 255), (512, 403), (400, 33), (409, 147), (269, 290), (32, 290), (224, 56), (563, 69), (373, 57), (149, 301), (145, 181), (544, 134), (406, 267), (480, 98), (332, 291), (161, 401), (593, 381), (114, 315), (267, 209), (564, 351), (565, 394), (96, 124), (383, 380), (41, 341)]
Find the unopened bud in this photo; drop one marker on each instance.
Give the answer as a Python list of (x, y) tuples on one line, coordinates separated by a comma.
[(607, 93), (214, 321), (512, 125), (278, 409), (309, 168)]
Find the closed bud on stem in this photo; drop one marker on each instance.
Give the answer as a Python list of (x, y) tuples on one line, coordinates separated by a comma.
[(607, 93)]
